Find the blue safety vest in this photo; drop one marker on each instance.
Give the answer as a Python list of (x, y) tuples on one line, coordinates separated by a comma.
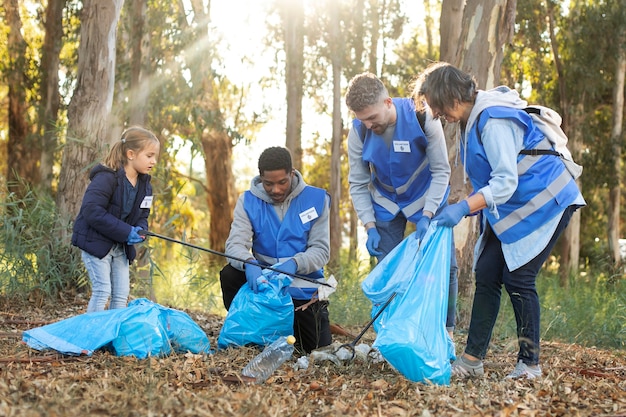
[(275, 241), (545, 187), (401, 172)]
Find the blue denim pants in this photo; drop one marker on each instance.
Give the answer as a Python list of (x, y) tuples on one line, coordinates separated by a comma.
[(491, 274), (392, 233), (110, 278)]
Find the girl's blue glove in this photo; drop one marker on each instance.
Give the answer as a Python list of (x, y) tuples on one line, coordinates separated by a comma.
[(373, 239), (451, 215)]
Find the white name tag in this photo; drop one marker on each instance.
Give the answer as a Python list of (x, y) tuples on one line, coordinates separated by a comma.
[(401, 146), (147, 202), (308, 215)]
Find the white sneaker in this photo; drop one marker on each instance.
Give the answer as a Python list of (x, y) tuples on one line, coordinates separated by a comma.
[(463, 369), (524, 371)]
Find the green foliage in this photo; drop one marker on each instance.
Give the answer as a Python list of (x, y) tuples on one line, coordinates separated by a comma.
[(182, 278), (31, 254), (348, 305), (592, 312)]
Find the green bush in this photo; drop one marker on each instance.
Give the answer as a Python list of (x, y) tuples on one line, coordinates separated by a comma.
[(32, 254)]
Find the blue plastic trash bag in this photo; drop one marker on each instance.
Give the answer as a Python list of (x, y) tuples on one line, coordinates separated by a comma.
[(390, 275), (260, 318), (142, 329), (411, 333)]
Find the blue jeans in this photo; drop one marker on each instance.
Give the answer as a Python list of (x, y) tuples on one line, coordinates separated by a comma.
[(491, 274), (392, 233), (110, 278)]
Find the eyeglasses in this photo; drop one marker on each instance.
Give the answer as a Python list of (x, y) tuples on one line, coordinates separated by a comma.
[(439, 114)]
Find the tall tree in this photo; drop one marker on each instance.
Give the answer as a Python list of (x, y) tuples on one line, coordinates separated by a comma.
[(450, 29), (23, 152), (480, 52), (336, 52), (292, 21), (616, 137), (210, 127), (570, 239), (139, 46), (50, 97), (90, 107)]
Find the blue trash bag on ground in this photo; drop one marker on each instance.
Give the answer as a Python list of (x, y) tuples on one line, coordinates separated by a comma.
[(142, 329), (261, 318), (411, 333)]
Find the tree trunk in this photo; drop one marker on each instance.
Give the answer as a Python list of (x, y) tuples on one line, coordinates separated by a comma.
[(374, 18), (218, 164), (569, 246), (216, 143), (139, 43), (616, 146), (336, 51), (90, 107), (292, 17), (49, 90), (450, 29), (23, 152), (481, 55)]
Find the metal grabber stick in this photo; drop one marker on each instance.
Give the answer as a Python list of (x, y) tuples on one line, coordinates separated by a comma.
[(350, 346), (245, 261)]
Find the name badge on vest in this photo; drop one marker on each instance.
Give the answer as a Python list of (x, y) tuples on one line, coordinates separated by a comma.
[(401, 146), (308, 215), (147, 202)]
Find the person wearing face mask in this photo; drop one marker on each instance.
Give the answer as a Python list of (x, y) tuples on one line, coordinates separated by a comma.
[(399, 170), (282, 222)]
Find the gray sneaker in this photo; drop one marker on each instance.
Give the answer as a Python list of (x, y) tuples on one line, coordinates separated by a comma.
[(524, 371), (462, 369)]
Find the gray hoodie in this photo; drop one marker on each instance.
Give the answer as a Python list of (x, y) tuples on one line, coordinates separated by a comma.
[(239, 242)]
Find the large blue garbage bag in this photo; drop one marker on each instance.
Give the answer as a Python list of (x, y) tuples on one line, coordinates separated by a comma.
[(411, 332), (142, 329), (392, 275), (261, 318)]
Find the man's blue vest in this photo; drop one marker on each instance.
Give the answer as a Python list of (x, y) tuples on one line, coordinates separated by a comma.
[(280, 241), (545, 187), (401, 172)]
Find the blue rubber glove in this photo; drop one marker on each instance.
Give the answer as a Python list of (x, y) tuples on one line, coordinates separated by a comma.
[(421, 227), (373, 239), (134, 237), (253, 271), (451, 215), (289, 267)]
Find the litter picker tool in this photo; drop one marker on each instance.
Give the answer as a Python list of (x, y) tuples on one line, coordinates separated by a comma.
[(245, 261), (350, 346)]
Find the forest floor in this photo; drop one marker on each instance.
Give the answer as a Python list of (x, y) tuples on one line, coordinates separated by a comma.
[(577, 381)]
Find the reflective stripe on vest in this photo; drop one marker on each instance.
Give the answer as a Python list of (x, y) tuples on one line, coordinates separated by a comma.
[(400, 179), (545, 188)]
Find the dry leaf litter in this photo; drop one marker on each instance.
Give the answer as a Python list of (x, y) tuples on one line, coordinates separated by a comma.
[(577, 381)]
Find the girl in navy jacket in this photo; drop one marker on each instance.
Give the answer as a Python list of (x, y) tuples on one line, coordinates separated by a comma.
[(114, 209)]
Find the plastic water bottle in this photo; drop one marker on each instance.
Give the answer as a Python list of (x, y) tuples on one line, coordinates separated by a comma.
[(265, 363)]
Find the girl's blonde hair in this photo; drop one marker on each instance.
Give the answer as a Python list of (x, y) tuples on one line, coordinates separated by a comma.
[(134, 138)]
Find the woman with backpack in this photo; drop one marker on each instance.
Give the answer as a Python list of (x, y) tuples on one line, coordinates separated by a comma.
[(524, 194)]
